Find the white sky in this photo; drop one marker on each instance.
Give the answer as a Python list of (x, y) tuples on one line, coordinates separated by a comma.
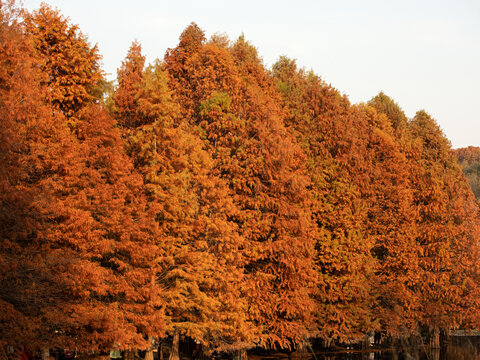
[(425, 54)]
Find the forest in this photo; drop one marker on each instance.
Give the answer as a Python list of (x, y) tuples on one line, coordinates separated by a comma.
[(205, 195), (469, 160)]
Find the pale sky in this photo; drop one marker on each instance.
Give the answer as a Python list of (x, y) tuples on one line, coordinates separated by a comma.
[(425, 54)]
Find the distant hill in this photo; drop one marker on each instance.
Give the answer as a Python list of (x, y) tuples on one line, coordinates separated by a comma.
[(469, 160)]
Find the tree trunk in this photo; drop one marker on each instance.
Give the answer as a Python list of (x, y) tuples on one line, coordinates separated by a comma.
[(129, 355), (160, 356), (241, 355), (434, 354), (174, 354), (149, 353), (45, 354), (435, 339)]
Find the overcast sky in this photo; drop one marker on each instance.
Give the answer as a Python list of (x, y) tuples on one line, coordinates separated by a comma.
[(425, 54)]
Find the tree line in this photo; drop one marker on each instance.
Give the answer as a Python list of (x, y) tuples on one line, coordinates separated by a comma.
[(469, 160), (208, 196)]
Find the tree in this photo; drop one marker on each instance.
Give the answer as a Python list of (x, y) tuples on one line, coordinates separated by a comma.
[(446, 232), (74, 77), (243, 132), (20, 106), (393, 222), (106, 241), (176, 62), (75, 238), (86, 267), (130, 77), (469, 159), (385, 105), (36, 151), (335, 146), (119, 241), (191, 206)]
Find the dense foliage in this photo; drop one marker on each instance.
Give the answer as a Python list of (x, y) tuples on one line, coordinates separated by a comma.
[(469, 160), (207, 196)]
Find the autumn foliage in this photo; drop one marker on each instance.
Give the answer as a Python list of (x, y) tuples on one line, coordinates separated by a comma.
[(207, 196)]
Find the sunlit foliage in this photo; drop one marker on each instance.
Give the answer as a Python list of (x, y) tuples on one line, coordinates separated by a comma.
[(209, 197)]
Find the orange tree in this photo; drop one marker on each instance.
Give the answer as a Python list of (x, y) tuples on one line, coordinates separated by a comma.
[(130, 78), (74, 78), (392, 221), (21, 109), (398, 253), (335, 147), (446, 232), (191, 204), (225, 97), (41, 151), (85, 261), (77, 241)]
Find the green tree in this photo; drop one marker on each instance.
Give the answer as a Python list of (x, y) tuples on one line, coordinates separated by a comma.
[(469, 159)]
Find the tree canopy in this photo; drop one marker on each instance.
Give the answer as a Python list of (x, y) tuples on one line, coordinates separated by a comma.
[(207, 196)]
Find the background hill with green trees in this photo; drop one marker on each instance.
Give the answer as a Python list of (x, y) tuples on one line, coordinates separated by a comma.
[(469, 160)]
